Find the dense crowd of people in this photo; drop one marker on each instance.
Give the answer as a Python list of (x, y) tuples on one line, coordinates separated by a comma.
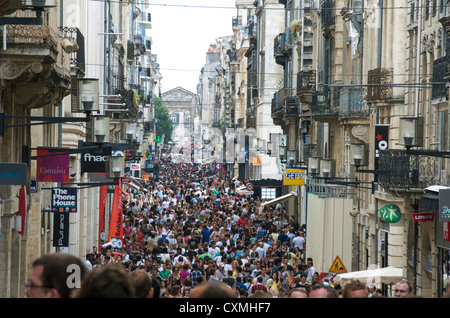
[(189, 233), (187, 226)]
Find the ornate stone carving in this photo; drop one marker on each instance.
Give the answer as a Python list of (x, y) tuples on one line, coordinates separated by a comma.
[(12, 70), (361, 132)]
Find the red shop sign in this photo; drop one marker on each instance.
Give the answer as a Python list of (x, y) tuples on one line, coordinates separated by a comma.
[(423, 217)]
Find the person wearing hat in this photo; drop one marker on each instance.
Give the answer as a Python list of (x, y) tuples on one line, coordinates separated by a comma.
[(221, 273)]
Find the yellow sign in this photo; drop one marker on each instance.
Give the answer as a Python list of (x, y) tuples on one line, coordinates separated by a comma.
[(294, 177), (337, 267)]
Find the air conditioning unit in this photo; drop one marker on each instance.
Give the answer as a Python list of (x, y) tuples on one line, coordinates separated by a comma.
[(30, 4)]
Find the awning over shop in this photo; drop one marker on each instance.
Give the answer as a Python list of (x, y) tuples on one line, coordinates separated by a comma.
[(430, 199), (280, 199), (386, 275)]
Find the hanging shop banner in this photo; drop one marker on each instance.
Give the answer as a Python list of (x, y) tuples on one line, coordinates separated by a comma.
[(64, 200), (22, 208), (444, 205), (381, 142), (60, 229), (13, 173), (52, 166), (116, 223), (102, 215), (93, 162), (390, 213)]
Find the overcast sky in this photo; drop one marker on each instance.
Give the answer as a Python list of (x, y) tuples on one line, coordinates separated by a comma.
[(182, 31)]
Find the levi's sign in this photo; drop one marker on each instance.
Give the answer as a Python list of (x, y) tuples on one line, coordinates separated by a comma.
[(13, 173), (423, 217)]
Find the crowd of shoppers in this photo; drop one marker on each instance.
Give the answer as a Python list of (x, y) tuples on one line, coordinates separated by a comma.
[(189, 233)]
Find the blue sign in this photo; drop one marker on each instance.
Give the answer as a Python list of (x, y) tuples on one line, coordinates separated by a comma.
[(33, 185), (13, 173), (64, 200)]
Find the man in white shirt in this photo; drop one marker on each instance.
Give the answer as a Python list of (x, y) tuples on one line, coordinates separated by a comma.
[(260, 250), (299, 241)]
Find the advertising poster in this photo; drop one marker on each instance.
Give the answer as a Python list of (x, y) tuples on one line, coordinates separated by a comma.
[(116, 223)]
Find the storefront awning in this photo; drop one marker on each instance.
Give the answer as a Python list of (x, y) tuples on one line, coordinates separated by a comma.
[(430, 199), (280, 199)]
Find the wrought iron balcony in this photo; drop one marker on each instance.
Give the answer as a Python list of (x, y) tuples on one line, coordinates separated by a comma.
[(278, 102), (324, 104), (441, 66), (77, 58), (291, 106), (328, 14), (352, 102), (379, 76), (282, 47), (406, 171), (306, 82)]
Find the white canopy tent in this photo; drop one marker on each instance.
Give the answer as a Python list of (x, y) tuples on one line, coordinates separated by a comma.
[(387, 275)]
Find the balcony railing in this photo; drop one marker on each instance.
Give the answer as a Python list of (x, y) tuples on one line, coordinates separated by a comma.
[(306, 82), (278, 100), (352, 102), (77, 59), (324, 190), (291, 106), (406, 171), (328, 14), (282, 44), (440, 67), (379, 76), (322, 103)]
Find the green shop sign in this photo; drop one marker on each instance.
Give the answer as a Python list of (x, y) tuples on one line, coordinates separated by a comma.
[(390, 213)]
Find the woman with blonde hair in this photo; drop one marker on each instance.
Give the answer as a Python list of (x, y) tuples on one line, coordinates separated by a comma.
[(272, 288)]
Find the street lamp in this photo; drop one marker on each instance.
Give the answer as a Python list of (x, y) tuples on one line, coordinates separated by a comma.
[(313, 165), (88, 99), (359, 152), (100, 129), (327, 168), (410, 131), (292, 157), (115, 166)]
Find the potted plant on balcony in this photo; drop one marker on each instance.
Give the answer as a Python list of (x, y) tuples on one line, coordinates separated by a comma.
[(295, 28)]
